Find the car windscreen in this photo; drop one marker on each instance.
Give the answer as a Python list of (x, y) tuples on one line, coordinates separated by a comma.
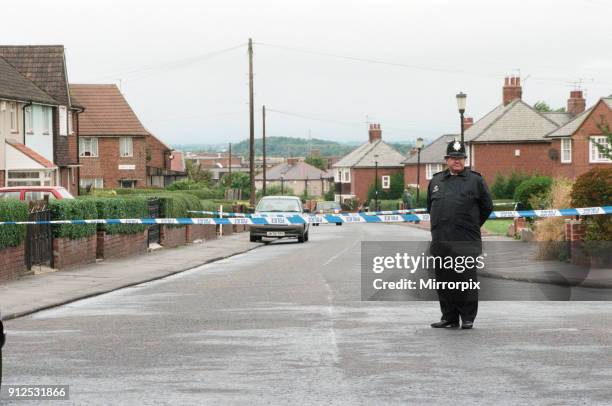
[(64, 193), (328, 206), (278, 205)]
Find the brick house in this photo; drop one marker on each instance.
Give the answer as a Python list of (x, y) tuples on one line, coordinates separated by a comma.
[(431, 161), (513, 136), (45, 66), (26, 131), (112, 142), (355, 172), (164, 165), (572, 151), (297, 175)]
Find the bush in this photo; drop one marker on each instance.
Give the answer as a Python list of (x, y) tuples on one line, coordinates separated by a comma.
[(203, 194), (504, 187), (117, 208), (77, 209), (330, 195), (530, 188), (385, 204), (395, 190), (275, 190), (591, 189), (12, 210), (187, 184)]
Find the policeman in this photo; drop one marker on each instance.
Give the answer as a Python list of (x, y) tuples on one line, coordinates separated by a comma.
[(459, 203)]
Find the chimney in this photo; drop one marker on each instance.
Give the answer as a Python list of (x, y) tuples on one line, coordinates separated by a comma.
[(576, 102), (375, 133), (512, 89), (292, 161), (468, 122)]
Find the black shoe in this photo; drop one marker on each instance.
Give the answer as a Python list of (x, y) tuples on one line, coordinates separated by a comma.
[(445, 324), (467, 324)]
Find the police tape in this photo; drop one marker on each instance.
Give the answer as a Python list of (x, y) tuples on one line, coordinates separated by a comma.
[(321, 219), (371, 213)]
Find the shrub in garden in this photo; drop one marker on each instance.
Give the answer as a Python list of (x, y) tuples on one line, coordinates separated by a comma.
[(532, 187), (133, 207), (12, 210), (594, 188), (77, 209)]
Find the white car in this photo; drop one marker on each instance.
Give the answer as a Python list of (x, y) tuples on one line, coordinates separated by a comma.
[(278, 207)]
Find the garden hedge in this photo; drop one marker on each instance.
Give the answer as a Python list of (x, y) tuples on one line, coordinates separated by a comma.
[(530, 187), (133, 207), (77, 209), (12, 210)]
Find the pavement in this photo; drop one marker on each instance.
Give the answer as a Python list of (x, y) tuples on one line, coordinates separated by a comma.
[(285, 324), (37, 292)]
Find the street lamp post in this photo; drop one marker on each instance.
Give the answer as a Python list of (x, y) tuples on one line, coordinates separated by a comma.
[(419, 147), (461, 99), (282, 185), (376, 183)]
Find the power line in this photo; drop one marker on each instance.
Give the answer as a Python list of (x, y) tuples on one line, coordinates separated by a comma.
[(412, 66), (177, 63)]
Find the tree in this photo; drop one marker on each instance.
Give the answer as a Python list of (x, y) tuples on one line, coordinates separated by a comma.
[(197, 174), (605, 148), (240, 180), (316, 161), (543, 107)]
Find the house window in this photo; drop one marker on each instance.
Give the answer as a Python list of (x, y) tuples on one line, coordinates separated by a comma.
[(432, 169), (46, 127), (126, 147), (127, 183), (88, 147), (13, 114), (28, 119), (347, 175), (97, 183), (70, 129), (566, 150), (386, 182), (339, 178), (63, 120), (29, 178), (597, 156)]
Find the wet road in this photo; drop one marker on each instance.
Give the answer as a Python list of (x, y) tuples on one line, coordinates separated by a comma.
[(284, 324)]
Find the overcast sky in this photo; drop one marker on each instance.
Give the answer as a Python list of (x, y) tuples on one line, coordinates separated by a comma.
[(310, 60)]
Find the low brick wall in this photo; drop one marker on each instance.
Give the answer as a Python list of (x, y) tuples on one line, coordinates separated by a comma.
[(239, 228), (228, 229), (200, 232), (69, 253), (575, 231), (172, 236), (12, 262), (121, 245)]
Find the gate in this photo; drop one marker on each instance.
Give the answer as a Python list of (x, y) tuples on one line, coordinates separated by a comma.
[(154, 229), (39, 237)]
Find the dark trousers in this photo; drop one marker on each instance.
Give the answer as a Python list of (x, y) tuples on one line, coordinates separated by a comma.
[(456, 304)]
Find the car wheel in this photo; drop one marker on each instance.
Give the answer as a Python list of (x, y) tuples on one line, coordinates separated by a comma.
[(306, 236), (338, 224), (254, 238), (301, 238)]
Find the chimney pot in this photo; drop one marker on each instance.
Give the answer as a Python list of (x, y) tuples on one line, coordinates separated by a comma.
[(375, 133), (512, 90), (576, 103)]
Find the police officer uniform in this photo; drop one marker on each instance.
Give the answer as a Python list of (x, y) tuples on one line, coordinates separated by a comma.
[(458, 205)]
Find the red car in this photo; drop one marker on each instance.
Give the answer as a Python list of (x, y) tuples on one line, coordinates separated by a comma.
[(33, 193)]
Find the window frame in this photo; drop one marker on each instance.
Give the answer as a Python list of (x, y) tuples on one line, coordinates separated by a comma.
[(123, 151), (593, 149), (63, 120), (13, 119), (29, 119), (566, 146), (97, 183), (429, 172), (46, 125), (82, 149), (385, 181)]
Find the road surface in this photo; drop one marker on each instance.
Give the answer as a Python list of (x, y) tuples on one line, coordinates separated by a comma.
[(284, 324)]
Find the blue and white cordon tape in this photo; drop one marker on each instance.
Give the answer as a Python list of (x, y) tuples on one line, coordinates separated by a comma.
[(323, 218)]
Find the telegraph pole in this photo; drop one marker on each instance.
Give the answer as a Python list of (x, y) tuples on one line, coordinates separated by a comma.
[(264, 148), (230, 165), (252, 129)]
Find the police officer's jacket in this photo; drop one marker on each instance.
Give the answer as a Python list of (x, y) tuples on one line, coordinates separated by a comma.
[(458, 206)]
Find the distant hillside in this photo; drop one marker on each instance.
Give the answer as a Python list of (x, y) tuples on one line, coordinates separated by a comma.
[(287, 146)]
